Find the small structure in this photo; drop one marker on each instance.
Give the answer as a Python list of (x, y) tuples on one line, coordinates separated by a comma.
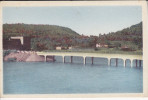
[(70, 48), (101, 45), (98, 45), (106, 46), (63, 48), (58, 48), (125, 48)]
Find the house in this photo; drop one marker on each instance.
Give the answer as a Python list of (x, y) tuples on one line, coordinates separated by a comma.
[(98, 45), (58, 48), (101, 45), (70, 48)]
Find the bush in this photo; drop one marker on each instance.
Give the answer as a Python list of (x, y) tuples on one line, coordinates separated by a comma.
[(96, 49), (7, 52), (11, 59)]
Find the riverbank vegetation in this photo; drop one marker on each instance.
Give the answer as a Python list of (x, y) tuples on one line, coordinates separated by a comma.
[(101, 50)]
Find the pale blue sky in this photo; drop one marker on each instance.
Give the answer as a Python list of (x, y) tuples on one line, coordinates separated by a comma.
[(87, 20)]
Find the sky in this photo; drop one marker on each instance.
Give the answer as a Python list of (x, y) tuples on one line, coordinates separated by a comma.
[(86, 20)]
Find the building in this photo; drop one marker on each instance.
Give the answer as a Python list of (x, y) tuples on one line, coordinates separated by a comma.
[(63, 48), (12, 44), (101, 45), (27, 43), (125, 48), (17, 43), (58, 48), (69, 48)]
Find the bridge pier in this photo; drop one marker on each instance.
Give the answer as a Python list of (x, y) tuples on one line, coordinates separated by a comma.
[(63, 57), (124, 62), (131, 62), (139, 63), (109, 62), (92, 60), (84, 60), (136, 62), (44, 58), (53, 58), (71, 59), (116, 62)]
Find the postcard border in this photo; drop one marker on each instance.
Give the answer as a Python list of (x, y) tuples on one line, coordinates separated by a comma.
[(81, 3)]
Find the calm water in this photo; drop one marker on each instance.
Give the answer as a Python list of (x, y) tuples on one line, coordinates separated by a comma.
[(59, 78)]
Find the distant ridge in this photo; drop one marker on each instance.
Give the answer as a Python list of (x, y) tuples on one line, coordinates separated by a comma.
[(134, 30), (40, 30), (131, 36)]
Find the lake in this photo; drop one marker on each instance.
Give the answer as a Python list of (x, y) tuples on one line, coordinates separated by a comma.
[(66, 78)]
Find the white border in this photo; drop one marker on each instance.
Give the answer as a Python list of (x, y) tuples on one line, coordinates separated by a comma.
[(82, 3)]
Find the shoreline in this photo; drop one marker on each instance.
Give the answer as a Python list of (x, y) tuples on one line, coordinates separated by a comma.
[(25, 56), (125, 53), (67, 51)]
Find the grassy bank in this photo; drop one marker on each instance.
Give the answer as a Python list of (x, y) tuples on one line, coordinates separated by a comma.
[(89, 50), (101, 50)]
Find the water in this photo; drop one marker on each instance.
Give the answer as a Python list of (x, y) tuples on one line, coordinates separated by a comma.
[(59, 78)]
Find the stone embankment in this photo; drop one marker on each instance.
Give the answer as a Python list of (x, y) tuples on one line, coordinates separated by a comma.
[(24, 56)]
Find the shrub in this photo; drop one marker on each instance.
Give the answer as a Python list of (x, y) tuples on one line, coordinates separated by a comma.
[(7, 52), (96, 49), (11, 59)]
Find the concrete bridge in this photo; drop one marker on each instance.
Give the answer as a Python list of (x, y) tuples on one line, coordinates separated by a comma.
[(124, 57)]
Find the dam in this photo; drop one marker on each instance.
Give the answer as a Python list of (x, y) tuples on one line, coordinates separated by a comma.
[(124, 57)]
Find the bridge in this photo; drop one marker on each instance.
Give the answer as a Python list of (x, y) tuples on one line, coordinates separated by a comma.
[(124, 57)]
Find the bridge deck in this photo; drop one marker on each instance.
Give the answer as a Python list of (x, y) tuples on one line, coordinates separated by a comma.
[(108, 56)]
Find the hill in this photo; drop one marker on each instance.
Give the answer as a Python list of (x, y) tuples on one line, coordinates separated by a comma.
[(128, 33), (37, 30), (131, 36), (43, 37)]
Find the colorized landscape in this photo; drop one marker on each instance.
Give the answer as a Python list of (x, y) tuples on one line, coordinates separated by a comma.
[(85, 50)]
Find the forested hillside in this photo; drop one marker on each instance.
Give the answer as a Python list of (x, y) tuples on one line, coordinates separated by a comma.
[(43, 37), (32, 30), (131, 36), (47, 37)]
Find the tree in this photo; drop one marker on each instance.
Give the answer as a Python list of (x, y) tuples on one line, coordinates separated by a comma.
[(117, 44), (41, 47)]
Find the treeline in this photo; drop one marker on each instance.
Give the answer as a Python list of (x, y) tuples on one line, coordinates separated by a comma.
[(127, 34), (32, 30), (131, 36)]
